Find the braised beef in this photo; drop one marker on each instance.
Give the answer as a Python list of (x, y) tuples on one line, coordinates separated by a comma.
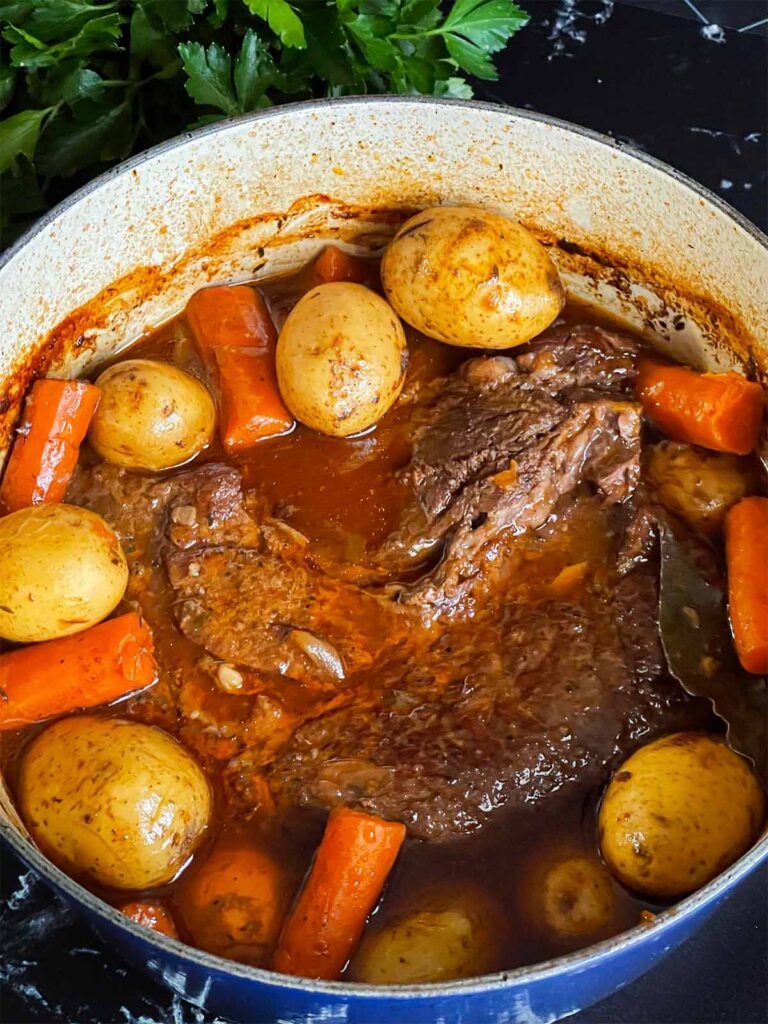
[(502, 442), (249, 591), (438, 698), (567, 692)]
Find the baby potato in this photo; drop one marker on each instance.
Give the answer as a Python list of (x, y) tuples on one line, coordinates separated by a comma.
[(63, 570), (235, 903), (569, 896), (120, 802), (151, 416), (698, 485), (341, 358), (471, 277), (453, 935), (679, 811)]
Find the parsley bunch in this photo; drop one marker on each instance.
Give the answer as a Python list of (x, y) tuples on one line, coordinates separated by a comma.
[(84, 84)]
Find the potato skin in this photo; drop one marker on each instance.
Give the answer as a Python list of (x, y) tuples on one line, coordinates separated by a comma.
[(698, 485), (470, 277), (679, 811), (63, 570), (569, 895), (117, 801), (453, 935), (151, 416), (341, 358)]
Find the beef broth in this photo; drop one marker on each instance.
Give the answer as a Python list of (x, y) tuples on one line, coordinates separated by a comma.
[(443, 621)]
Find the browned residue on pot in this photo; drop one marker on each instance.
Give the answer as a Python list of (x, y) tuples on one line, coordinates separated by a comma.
[(76, 332)]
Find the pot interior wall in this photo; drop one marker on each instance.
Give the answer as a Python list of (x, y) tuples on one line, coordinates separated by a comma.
[(253, 197)]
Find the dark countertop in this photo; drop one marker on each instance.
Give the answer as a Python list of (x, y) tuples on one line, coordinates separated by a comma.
[(694, 93)]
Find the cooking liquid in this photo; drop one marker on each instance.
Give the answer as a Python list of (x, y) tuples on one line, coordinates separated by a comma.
[(343, 495)]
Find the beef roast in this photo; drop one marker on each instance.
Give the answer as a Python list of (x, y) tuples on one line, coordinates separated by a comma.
[(502, 442), (567, 693), (249, 592), (429, 709)]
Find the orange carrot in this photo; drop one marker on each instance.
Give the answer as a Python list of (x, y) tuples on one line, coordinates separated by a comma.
[(351, 866), (722, 411), (333, 264), (234, 904), (151, 915), (236, 339), (746, 547), (80, 671), (55, 420)]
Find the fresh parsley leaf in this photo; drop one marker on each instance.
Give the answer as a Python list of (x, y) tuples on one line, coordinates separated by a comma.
[(149, 41), (209, 76), (55, 20), (29, 51), (20, 199), (475, 29), (455, 87), (281, 18), (19, 134), (213, 82), (254, 72), (69, 144), (65, 83), (7, 85)]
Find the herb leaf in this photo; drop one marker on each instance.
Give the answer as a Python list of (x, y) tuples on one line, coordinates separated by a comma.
[(19, 136), (475, 29), (86, 82), (209, 76), (29, 51), (281, 18)]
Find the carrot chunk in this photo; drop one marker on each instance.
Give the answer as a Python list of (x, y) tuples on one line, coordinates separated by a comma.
[(333, 264), (54, 422), (151, 915), (80, 671), (721, 411), (236, 339), (746, 547), (353, 861)]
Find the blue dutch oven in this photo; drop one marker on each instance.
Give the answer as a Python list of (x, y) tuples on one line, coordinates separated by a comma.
[(135, 243)]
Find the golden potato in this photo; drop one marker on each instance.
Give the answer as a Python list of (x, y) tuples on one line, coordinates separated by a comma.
[(117, 801), (698, 485), (454, 935), (62, 570), (569, 896), (151, 416), (341, 358), (678, 812), (471, 277)]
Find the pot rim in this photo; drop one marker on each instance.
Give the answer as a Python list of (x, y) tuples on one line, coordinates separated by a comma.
[(575, 962)]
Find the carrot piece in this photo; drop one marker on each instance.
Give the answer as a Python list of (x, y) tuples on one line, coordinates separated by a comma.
[(151, 915), (80, 671), (746, 548), (333, 264), (236, 339), (234, 904), (351, 866), (722, 411), (55, 420)]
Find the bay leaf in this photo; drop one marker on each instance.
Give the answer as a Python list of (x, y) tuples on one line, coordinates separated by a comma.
[(695, 634)]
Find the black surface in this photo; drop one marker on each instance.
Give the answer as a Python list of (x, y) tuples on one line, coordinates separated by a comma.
[(666, 85)]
